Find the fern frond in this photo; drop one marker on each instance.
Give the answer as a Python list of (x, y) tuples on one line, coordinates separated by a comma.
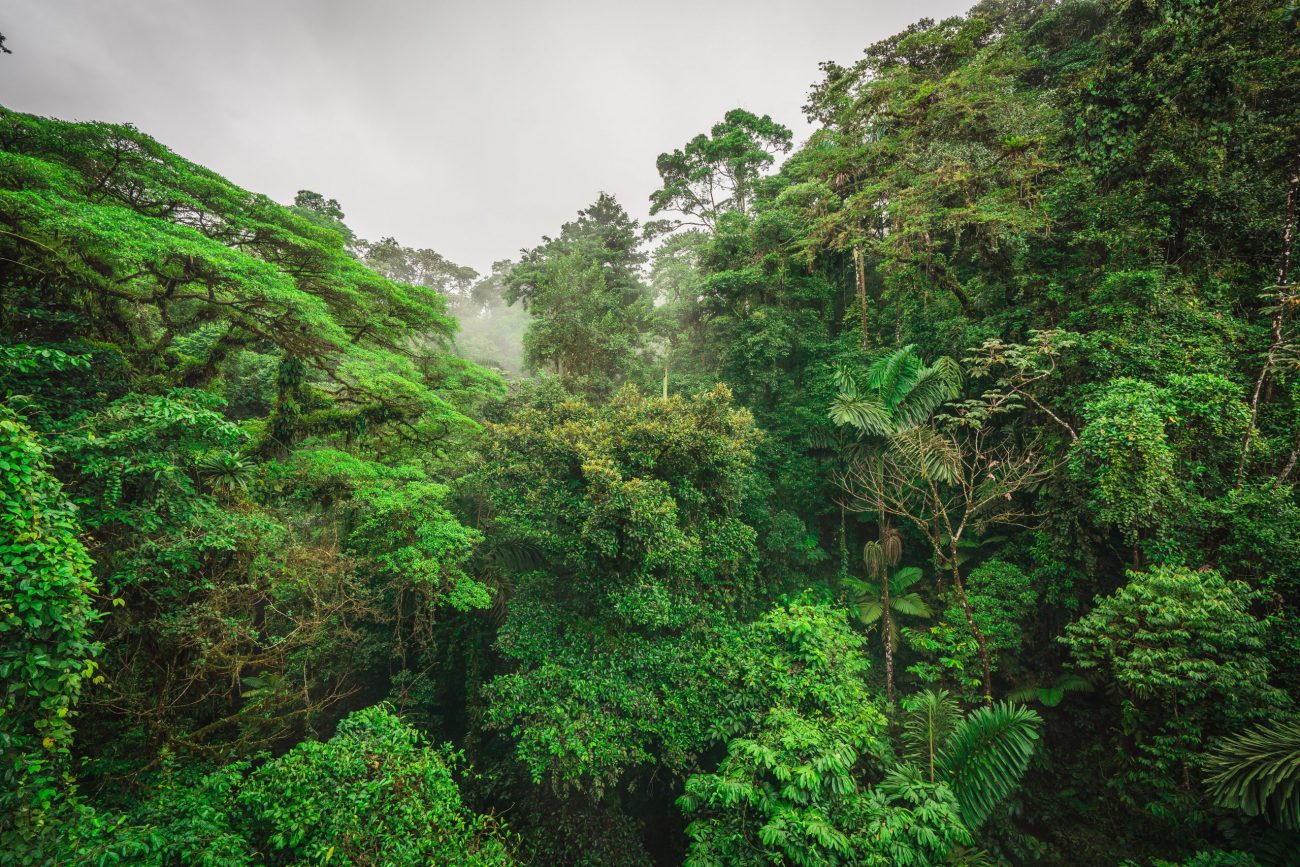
[(1258, 772), (986, 755)]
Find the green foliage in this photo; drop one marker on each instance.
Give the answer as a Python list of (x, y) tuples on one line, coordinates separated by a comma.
[(1188, 656), (985, 756), (285, 486), (47, 617), (871, 603), (1177, 634), (1126, 458), (900, 392), (1258, 772), (791, 788), (980, 756), (372, 794), (633, 505)]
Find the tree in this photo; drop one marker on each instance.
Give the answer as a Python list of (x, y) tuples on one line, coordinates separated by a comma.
[(590, 311), (1184, 649), (900, 392), (981, 755), (309, 200), (946, 485), (883, 596), (716, 173)]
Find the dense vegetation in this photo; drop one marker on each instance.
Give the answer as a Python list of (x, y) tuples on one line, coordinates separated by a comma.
[(922, 495)]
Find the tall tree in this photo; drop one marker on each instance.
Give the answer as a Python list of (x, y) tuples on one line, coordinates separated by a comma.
[(591, 312), (716, 173)]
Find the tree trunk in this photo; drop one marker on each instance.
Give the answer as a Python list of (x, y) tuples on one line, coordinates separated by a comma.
[(980, 641), (888, 622), (860, 284), (1278, 338)]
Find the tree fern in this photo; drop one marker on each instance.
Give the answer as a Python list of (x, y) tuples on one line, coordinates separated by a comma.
[(986, 755), (1258, 772)]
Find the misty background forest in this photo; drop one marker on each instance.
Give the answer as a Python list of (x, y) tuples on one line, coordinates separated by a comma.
[(920, 493)]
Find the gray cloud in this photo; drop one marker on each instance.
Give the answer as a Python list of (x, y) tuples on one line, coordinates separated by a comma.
[(469, 127)]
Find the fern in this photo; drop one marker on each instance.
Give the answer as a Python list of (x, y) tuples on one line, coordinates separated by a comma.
[(986, 755), (1258, 772)]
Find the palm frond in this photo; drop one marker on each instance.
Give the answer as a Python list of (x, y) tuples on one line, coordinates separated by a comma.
[(870, 610), (928, 453), (866, 414), (1053, 694), (1258, 772), (934, 385), (845, 383), (986, 755), (928, 723), (910, 604), (905, 578), (892, 375)]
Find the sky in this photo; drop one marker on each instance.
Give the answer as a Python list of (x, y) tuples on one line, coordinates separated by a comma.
[(473, 128)]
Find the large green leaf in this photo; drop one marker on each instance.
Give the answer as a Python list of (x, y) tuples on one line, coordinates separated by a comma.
[(1258, 772), (986, 755)]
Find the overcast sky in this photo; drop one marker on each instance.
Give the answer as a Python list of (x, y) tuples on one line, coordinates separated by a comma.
[(470, 127)]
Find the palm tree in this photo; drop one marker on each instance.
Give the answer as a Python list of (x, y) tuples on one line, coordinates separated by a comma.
[(981, 756), (881, 596), (1258, 772), (900, 393)]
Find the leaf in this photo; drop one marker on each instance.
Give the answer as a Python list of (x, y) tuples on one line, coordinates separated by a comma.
[(986, 755), (1258, 772)]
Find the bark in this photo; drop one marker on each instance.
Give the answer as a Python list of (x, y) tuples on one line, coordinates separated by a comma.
[(860, 284), (889, 638), (1278, 339), (980, 640)]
